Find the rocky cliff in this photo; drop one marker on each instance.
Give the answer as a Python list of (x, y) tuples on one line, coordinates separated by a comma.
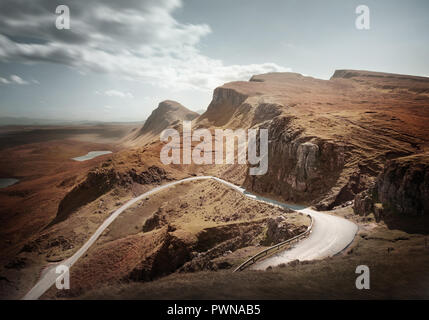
[(328, 139), (402, 188), (298, 164)]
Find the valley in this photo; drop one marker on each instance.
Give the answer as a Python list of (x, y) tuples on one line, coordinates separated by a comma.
[(354, 147)]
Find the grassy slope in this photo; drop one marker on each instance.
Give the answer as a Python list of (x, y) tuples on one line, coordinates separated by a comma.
[(400, 273)]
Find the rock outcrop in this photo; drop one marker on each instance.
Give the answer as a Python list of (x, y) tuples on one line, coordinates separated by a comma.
[(298, 164), (364, 203), (402, 188)]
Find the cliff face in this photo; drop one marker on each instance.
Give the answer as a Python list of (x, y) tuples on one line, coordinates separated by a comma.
[(401, 189), (403, 186), (298, 164), (232, 108), (328, 139)]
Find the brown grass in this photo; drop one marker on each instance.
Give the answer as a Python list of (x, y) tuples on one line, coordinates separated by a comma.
[(397, 273)]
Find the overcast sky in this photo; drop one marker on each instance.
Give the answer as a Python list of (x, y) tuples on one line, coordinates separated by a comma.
[(121, 58)]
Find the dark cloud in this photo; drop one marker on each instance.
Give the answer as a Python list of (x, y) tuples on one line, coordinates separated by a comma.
[(137, 39), (127, 22)]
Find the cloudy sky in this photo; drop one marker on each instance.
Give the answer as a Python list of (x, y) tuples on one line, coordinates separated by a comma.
[(120, 58)]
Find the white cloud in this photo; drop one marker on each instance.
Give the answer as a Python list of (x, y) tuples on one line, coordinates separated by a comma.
[(14, 79), (107, 109), (137, 40), (18, 80), (4, 80), (116, 93)]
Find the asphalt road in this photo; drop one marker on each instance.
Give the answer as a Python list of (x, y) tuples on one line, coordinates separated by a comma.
[(330, 235)]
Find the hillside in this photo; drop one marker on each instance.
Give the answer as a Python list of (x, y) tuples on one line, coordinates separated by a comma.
[(329, 139)]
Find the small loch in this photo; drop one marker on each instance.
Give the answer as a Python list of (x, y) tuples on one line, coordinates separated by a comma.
[(6, 182), (91, 155)]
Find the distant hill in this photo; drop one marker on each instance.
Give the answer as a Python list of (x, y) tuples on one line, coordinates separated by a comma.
[(25, 121), (165, 115), (168, 114)]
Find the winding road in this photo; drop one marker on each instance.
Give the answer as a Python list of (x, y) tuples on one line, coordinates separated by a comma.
[(330, 235)]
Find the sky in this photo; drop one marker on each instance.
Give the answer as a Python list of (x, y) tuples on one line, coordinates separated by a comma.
[(119, 59)]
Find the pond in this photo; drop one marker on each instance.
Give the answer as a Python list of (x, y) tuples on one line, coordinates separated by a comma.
[(91, 155), (6, 182)]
